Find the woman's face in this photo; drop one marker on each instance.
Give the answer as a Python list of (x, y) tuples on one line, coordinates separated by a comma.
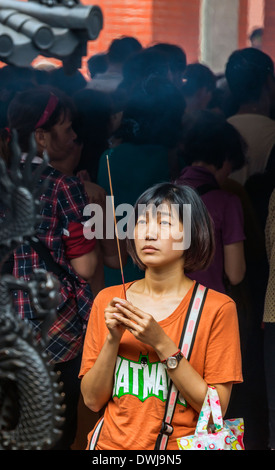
[(60, 140), (159, 236)]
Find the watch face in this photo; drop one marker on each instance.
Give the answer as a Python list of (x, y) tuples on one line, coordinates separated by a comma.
[(172, 362)]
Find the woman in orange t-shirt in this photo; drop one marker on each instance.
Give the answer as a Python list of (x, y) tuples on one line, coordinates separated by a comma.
[(129, 340)]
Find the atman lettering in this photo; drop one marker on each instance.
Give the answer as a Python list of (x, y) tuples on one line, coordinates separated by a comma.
[(142, 380)]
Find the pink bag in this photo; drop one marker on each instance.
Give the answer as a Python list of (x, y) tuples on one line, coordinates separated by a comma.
[(228, 434)]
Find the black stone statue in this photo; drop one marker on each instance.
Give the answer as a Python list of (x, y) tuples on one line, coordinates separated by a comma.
[(31, 410)]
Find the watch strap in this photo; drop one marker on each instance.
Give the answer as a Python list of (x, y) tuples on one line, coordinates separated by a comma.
[(171, 355)]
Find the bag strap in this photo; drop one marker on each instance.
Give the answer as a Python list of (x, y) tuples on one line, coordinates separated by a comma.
[(211, 405), (96, 433), (51, 265), (186, 345)]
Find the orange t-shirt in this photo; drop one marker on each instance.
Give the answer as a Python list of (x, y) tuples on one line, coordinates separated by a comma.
[(133, 415)]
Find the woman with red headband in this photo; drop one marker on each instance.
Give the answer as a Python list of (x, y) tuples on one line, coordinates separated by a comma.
[(48, 116)]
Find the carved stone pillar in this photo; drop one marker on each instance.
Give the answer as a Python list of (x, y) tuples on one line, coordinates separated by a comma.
[(219, 32), (269, 29)]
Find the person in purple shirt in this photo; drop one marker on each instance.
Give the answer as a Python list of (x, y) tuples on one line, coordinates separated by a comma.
[(212, 149)]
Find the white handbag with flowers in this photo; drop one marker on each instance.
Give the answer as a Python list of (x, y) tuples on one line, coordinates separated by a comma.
[(227, 435)]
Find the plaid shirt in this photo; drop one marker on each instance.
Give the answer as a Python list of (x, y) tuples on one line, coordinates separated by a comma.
[(64, 201)]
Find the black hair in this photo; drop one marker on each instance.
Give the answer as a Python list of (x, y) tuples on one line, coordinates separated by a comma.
[(208, 137), (175, 56), (246, 73), (5, 146), (153, 113), (13, 80), (197, 76), (122, 48), (256, 33), (146, 63), (97, 63), (27, 107), (67, 83), (92, 124), (201, 251)]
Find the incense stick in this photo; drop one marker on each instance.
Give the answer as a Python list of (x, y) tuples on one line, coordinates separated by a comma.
[(118, 246)]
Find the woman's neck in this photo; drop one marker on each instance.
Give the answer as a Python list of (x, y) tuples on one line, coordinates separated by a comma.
[(160, 282)]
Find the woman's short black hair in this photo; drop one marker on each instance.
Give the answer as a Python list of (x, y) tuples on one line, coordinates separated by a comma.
[(208, 137), (27, 107), (201, 251)]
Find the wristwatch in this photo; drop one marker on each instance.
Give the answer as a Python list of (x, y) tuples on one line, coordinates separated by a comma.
[(172, 361)]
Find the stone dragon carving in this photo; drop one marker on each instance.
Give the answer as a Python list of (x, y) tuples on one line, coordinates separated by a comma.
[(31, 409)]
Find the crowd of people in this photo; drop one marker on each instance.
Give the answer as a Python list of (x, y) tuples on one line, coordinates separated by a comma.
[(175, 134)]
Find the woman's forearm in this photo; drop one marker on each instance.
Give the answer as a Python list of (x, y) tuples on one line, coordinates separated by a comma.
[(187, 380), (97, 383), (190, 384)]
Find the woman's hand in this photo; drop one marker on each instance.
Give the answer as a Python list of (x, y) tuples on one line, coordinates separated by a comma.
[(141, 324), (115, 327)]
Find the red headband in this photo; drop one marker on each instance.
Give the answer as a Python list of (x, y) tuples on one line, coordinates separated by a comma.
[(8, 131), (51, 106)]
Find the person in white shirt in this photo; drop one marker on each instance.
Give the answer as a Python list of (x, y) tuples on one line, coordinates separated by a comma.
[(250, 76)]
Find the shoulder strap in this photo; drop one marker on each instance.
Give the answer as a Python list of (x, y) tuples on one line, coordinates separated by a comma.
[(95, 435), (186, 345), (51, 265)]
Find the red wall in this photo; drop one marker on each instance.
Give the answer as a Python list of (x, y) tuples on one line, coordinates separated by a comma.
[(243, 23), (172, 21), (177, 22), (150, 21), (269, 29)]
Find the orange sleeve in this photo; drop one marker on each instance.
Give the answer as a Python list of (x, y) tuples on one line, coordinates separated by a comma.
[(95, 334), (223, 357)]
